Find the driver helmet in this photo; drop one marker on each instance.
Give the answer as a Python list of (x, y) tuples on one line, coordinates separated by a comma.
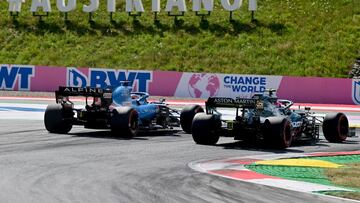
[(122, 95)]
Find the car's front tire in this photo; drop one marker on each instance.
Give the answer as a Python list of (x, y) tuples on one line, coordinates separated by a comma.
[(124, 122), (335, 127)]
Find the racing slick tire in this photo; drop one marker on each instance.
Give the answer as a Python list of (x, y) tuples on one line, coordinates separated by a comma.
[(124, 122), (57, 119), (335, 127), (205, 129), (187, 116), (278, 132)]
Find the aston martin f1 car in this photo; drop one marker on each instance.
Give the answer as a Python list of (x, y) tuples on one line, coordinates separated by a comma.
[(122, 111), (265, 118)]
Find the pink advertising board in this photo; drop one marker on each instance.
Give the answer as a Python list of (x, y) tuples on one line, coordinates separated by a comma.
[(187, 85)]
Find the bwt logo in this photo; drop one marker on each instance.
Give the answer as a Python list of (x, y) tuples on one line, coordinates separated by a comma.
[(103, 78), (10, 75)]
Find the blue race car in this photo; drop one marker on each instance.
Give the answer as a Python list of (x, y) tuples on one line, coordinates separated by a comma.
[(267, 119), (121, 110)]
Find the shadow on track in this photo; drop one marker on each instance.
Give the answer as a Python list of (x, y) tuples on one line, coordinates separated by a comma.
[(260, 146), (242, 145), (143, 135), (350, 142)]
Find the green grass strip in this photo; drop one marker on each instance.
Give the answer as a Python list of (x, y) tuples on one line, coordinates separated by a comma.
[(306, 174)]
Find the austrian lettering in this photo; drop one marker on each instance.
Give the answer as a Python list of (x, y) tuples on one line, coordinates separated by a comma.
[(130, 5)]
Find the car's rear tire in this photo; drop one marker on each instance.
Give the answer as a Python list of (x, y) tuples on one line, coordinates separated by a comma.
[(335, 127), (205, 129), (187, 116), (124, 122), (278, 132), (57, 119)]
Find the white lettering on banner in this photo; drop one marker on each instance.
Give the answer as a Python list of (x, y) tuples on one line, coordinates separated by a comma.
[(131, 5), (252, 5), (43, 4), (111, 5), (83, 90), (180, 4), (208, 5), (61, 5), (137, 4), (231, 7), (94, 5), (10, 75), (15, 5), (155, 5)]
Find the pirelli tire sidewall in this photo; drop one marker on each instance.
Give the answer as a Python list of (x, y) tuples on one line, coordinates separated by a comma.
[(205, 128), (57, 119), (335, 127), (278, 132), (124, 122)]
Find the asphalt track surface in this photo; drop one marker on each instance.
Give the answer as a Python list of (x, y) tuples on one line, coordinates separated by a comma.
[(92, 166)]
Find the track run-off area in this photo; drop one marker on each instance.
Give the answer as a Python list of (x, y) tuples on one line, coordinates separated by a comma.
[(92, 166)]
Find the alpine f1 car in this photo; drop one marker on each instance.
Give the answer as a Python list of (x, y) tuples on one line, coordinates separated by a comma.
[(265, 118), (122, 111)]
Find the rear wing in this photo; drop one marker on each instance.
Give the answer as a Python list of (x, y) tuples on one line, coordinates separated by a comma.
[(213, 102), (65, 92)]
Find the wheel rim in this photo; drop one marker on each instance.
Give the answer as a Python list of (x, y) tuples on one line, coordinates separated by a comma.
[(343, 127), (133, 122), (287, 133)]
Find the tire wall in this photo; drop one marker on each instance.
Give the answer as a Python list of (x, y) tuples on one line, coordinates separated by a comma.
[(178, 84)]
